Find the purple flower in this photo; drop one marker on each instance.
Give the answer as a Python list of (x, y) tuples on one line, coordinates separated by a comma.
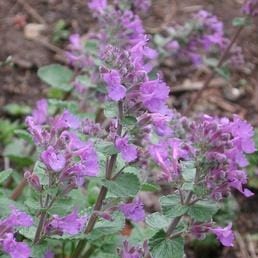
[(134, 210), (250, 7), (154, 95), (66, 121), (133, 252), (71, 224), (49, 254), (33, 180), (243, 133), (13, 248), (17, 219), (89, 160), (224, 235), (97, 5), (116, 91), (40, 113), (53, 159), (128, 151)]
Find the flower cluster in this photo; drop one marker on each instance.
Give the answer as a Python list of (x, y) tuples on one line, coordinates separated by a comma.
[(203, 35), (8, 226), (66, 157), (250, 8), (218, 147)]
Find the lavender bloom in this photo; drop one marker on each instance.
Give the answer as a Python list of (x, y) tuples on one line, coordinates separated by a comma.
[(17, 219), (33, 180), (98, 6), (128, 151), (154, 95), (66, 120), (133, 211), (71, 224), (53, 159), (141, 5), (116, 91), (224, 235), (133, 252), (13, 248), (49, 254), (250, 7), (40, 113)]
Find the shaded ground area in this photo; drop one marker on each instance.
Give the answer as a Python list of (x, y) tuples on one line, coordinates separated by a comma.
[(20, 84)]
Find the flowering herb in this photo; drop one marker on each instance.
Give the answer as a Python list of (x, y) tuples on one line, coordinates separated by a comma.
[(90, 169)]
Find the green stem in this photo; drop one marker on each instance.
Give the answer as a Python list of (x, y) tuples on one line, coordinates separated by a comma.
[(212, 74), (175, 221), (103, 191)]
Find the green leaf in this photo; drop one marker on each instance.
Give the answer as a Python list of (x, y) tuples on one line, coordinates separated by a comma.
[(223, 72), (172, 207), (125, 185), (107, 148), (129, 121), (17, 109), (161, 247), (148, 187), (23, 134), (202, 211), (16, 151), (157, 221), (188, 171), (241, 21), (106, 228), (38, 251), (110, 109), (39, 170), (28, 232), (57, 76), (5, 174)]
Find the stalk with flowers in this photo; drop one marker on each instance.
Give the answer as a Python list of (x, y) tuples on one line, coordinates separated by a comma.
[(96, 155)]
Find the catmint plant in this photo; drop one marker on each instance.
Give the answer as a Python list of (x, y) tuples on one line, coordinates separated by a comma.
[(85, 187)]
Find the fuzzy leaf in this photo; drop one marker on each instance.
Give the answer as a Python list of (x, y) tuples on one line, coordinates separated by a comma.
[(148, 187), (5, 174), (157, 220), (105, 228), (57, 76), (172, 207), (125, 185), (202, 211), (161, 247)]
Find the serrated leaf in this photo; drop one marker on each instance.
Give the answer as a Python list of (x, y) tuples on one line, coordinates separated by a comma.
[(15, 109), (57, 76), (23, 134), (224, 72), (28, 232), (157, 220), (188, 171), (5, 174), (240, 21), (125, 185), (162, 247), (107, 148), (110, 109), (172, 207), (39, 170), (104, 227), (129, 121), (38, 251), (202, 211), (148, 187)]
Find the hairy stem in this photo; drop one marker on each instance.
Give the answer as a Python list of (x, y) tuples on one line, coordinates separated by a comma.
[(175, 221), (213, 73), (103, 191)]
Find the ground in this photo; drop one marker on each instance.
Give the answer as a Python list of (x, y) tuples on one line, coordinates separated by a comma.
[(20, 84)]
